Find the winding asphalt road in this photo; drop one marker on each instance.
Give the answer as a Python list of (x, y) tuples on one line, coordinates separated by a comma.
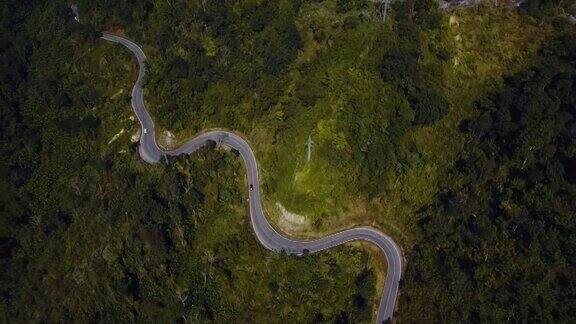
[(266, 234)]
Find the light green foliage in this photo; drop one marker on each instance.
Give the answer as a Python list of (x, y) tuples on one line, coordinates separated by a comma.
[(373, 85)]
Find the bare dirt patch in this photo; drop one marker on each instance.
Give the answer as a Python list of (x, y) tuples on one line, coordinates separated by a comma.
[(167, 139), (291, 222)]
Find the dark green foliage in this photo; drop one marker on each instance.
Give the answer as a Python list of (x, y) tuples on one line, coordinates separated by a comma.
[(177, 68), (401, 66), (278, 46), (86, 31), (542, 8), (400, 63), (501, 236), (91, 234), (207, 47), (117, 13), (428, 104), (414, 14), (348, 5)]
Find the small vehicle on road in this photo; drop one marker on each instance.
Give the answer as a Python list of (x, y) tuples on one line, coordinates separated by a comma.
[(251, 187), (145, 130)]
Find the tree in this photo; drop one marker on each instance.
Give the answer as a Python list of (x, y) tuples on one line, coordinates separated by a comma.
[(428, 104), (177, 67)]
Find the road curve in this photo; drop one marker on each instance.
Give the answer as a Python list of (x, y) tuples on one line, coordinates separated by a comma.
[(266, 234)]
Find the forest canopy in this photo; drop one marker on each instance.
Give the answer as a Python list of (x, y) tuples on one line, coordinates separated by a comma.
[(452, 131), (501, 234)]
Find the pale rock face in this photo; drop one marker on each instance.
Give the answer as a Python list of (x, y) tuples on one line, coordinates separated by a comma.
[(453, 21), (291, 222), (115, 137), (135, 137), (167, 139)]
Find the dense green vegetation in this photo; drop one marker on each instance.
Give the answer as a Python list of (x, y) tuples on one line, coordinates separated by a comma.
[(90, 233), (337, 82), (453, 132), (501, 234)]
